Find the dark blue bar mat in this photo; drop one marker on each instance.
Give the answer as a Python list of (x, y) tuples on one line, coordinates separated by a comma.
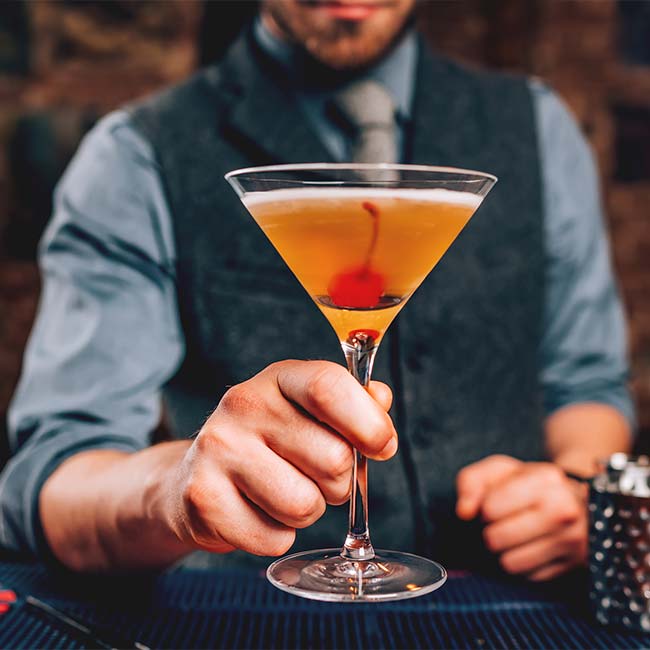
[(235, 609)]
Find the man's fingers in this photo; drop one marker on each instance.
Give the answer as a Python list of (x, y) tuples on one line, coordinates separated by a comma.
[(523, 490), (516, 530), (219, 518), (277, 487), (275, 450), (567, 545), (550, 570), (382, 394), (554, 508), (474, 481), (315, 449), (330, 394), (534, 555)]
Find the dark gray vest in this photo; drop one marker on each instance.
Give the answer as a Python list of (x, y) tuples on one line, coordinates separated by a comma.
[(461, 357)]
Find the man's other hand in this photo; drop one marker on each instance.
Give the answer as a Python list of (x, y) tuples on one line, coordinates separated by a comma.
[(277, 449), (535, 517)]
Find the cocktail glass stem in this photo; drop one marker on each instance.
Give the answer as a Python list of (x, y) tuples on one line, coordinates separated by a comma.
[(360, 350)]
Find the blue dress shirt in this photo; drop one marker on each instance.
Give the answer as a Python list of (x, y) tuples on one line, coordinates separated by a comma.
[(108, 337)]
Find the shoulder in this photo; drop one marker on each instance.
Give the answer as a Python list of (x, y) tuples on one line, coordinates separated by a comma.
[(206, 89), (552, 115), (204, 81), (555, 120), (111, 193), (115, 133), (482, 80), (495, 102), (113, 147)]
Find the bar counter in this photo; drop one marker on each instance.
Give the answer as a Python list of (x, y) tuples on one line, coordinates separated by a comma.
[(191, 608)]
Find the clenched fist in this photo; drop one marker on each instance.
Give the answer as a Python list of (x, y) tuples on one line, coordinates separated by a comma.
[(276, 450), (535, 517)]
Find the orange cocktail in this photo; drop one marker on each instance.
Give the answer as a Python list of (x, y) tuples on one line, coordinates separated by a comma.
[(360, 253)]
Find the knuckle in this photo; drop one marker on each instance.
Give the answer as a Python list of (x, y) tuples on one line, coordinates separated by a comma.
[(194, 497), (207, 440), (563, 508), (197, 506), (490, 508), (551, 475), (231, 399), (338, 494), (574, 537), (241, 398), (578, 534), (203, 538), (338, 464), (321, 387), (502, 461), (277, 366), (276, 372), (216, 444), (570, 509), (307, 507)]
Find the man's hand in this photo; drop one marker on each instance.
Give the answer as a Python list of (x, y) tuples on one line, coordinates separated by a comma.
[(276, 450), (536, 518)]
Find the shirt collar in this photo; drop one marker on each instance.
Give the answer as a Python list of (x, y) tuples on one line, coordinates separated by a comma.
[(396, 71)]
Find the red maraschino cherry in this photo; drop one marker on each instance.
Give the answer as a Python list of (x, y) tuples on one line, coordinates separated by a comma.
[(358, 288)]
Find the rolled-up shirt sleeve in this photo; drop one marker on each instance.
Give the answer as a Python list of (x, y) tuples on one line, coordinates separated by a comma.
[(584, 347), (107, 335)]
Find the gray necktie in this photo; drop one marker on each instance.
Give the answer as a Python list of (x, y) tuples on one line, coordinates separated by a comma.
[(369, 109)]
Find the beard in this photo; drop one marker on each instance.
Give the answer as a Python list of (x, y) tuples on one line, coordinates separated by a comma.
[(340, 45)]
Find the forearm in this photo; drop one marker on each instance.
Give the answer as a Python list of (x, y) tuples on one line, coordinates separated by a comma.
[(108, 510), (579, 435)]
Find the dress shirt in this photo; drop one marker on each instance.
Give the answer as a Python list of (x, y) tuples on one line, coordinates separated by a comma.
[(108, 337)]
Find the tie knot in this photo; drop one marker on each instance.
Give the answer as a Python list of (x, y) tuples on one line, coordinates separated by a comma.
[(366, 104)]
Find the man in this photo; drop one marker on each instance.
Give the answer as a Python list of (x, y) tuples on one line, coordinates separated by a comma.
[(509, 360)]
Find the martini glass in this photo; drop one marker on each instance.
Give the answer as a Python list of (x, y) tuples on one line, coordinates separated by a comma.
[(360, 238)]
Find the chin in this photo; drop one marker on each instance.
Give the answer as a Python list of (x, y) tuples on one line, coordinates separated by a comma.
[(347, 57)]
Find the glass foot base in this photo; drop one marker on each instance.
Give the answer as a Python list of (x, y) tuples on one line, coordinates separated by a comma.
[(325, 575)]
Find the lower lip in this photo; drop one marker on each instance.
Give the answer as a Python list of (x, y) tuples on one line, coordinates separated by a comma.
[(347, 12)]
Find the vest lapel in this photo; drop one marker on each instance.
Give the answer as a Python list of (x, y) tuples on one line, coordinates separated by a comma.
[(440, 107), (264, 111)]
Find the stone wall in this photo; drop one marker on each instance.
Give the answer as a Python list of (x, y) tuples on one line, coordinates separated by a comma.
[(63, 64)]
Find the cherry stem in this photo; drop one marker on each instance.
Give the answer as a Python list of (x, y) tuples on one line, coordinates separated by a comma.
[(373, 211)]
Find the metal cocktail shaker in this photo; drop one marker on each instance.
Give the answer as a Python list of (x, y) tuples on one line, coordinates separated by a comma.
[(619, 542)]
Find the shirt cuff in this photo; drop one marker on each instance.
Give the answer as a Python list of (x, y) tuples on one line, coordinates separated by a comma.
[(618, 397), (23, 478)]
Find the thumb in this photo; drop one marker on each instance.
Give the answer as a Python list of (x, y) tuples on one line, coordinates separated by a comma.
[(475, 481)]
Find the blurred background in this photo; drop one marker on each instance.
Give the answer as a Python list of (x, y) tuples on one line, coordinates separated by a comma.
[(64, 63)]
